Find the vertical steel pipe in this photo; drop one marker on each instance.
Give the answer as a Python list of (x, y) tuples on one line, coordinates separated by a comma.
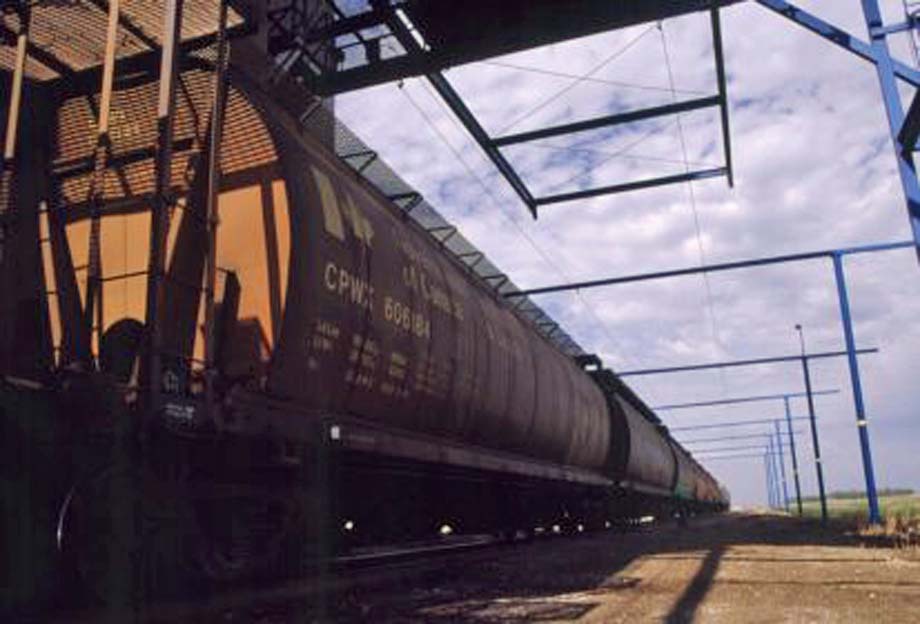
[(12, 117), (795, 459), (862, 425), (782, 465), (217, 124), (819, 468), (777, 491), (94, 317), (159, 224)]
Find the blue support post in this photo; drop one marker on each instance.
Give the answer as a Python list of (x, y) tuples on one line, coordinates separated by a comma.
[(766, 468), (777, 487), (885, 68), (782, 465), (875, 516), (770, 460), (795, 459)]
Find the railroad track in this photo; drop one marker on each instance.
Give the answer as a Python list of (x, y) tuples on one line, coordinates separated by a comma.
[(364, 568)]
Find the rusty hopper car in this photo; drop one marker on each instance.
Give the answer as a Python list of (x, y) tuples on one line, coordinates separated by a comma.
[(366, 385)]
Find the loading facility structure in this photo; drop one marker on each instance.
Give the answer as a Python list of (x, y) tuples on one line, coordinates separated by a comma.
[(423, 38), (304, 44), (256, 369)]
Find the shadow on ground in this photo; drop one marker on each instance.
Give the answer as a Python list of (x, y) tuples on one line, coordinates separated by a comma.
[(566, 579)]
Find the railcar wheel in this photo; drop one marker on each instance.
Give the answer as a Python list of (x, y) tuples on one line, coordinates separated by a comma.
[(242, 538), (128, 538)]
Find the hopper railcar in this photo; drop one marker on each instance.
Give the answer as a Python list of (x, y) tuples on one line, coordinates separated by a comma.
[(367, 387)]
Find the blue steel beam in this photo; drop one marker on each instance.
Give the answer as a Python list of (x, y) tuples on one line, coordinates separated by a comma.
[(839, 37), (735, 363), (777, 494), (607, 121), (862, 424), (764, 451), (750, 399), (737, 447), (747, 436), (782, 464), (735, 423), (712, 268), (736, 456), (885, 68), (771, 491), (701, 174), (795, 459)]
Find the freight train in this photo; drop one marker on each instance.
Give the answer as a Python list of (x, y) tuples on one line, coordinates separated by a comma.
[(365, 387)]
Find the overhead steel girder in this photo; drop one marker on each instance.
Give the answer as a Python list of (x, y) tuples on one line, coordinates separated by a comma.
[(460, 109), (736, 423), (607, 121), (459, 33), (701, 174), (750, 362), (747, 436), (747, 399), (491, 145), (711, 268), (839, 37)]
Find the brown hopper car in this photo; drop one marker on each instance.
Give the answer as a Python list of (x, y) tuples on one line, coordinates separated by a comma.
[(367, 386)]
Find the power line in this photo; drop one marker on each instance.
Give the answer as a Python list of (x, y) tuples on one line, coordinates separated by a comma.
[(693, 207), (613, 83), (490, 193), (578, 80), (588, 150), (620, 153)]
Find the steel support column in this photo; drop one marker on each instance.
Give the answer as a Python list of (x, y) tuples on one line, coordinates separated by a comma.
[(861, 422), (159, 223), (795, 459), (12, 117), (94, 294), (212, 220), (885, 68), (819, 469), (768, 465), (777, 493), (782, 464)]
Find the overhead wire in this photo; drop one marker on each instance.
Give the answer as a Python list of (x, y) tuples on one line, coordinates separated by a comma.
[(693, 207), (619, 154), (487, 189), (578, 80), (587, 78)]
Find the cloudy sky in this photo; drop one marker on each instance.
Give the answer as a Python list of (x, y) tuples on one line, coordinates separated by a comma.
[(813, 169)]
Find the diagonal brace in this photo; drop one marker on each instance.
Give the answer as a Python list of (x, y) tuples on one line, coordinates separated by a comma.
[(838, 36)]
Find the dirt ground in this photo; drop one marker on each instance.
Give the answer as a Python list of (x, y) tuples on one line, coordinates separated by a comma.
[(733, 568)]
